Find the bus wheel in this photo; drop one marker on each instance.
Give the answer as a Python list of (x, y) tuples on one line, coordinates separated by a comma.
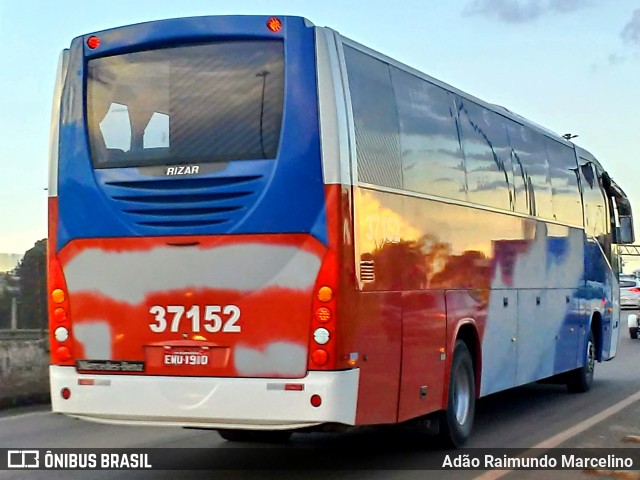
[(258, 436), (457, 420), (581, 379)]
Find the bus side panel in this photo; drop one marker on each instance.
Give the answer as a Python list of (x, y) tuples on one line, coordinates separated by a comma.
[(423, 337), (484, 260), (377, 339), (598, 296), (499, 346), (548, 274)]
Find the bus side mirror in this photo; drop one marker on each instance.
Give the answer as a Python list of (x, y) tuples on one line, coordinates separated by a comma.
[(625, 231)]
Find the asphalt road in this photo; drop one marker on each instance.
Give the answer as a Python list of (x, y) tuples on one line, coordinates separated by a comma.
[(520, 418)]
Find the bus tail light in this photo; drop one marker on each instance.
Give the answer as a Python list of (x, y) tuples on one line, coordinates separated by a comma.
[(323, 315), (58, 303), (63, 353), (60, 315), (319, 357), (322, 342), (325, 294), (59, 321)]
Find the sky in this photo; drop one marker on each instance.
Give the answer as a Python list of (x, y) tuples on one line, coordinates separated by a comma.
[(572, 66)]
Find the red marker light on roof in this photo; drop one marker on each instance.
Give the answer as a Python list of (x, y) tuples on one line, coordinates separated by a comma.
[(274, 24), (93, 42)]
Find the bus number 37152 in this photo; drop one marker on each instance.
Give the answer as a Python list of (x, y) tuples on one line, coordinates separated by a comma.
[(216, 318)]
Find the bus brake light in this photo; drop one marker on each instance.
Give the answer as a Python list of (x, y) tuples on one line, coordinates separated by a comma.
[(63, 353), (60, 315), (320, 357), (323, 314)]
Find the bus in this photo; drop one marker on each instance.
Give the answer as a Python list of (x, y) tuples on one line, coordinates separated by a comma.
[(261, 227)]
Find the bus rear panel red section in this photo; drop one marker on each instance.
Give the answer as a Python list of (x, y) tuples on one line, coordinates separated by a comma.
[(203, 306)]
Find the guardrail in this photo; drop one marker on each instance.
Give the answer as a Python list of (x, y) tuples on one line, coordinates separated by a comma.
[(629, 250), (24, 334)]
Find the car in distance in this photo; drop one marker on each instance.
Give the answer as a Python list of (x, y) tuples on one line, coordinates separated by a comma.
[(630, 299), (629, 292), (634, 325)]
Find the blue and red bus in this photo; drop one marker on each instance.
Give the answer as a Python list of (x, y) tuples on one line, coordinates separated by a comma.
[(259, 226)]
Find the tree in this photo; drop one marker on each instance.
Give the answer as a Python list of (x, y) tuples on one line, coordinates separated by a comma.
[(32, 281)]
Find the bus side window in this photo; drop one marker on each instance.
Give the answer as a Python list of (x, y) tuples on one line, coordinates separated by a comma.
[(596, 221), (567, 204), (432, 160), (529, 147), (487, 156), (523, 198), (375, 119)]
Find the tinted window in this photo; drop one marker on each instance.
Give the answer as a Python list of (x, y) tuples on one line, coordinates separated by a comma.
[(205, 103), (432, 161), (487, 155), (595, 209), (567, 204), (530, 156), (375, 118), (523, 197)]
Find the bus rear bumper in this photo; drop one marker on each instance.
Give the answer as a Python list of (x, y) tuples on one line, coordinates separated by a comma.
[(207, 402)]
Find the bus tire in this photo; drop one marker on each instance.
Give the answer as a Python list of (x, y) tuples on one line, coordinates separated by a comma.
[(256, 436), (456, 421), (581, 379)]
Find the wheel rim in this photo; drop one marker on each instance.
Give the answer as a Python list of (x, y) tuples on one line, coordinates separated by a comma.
[(461, 394), (591, 358)]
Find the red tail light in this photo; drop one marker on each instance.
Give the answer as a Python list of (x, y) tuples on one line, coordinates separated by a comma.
[(322, 342), (635, 290), (57, 298)]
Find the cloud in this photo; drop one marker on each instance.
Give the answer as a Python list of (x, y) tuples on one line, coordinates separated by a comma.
[(630, 34), (616, 59), (612, 60), (522, 11), (631, 31), (567, 6)]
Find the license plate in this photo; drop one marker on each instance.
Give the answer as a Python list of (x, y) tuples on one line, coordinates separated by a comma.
[(185, 358), (180, 357)]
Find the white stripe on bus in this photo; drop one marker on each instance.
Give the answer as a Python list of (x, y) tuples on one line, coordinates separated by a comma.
[(243, 267)]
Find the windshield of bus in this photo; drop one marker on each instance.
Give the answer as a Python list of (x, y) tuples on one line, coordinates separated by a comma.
[(201, 103)]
